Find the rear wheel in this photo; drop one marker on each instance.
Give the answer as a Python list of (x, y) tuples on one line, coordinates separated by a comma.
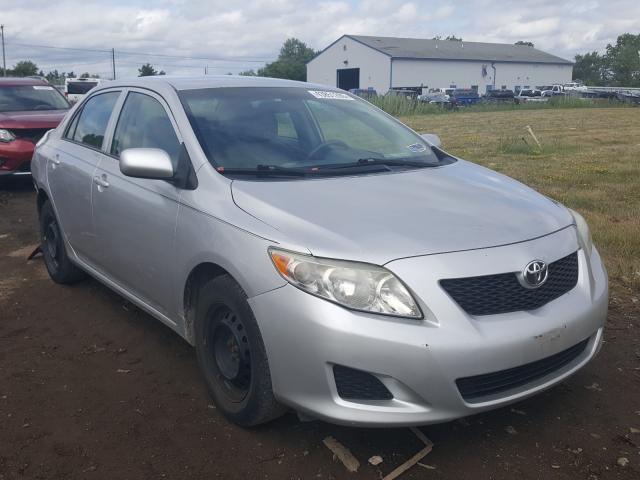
[(232, 356), (60, 268)]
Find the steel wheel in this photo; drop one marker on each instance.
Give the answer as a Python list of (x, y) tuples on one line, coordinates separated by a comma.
[(229, 347)]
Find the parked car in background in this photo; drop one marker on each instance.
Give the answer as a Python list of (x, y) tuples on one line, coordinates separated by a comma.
[(462, 97), (77, 88), (529, 95), (573, 87), (28, 108), (551, 90), (435, 96), (403, 92), (499, 96), (319, 254), (364, 92)]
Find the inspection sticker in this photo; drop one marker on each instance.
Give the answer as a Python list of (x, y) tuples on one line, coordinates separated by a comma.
[(42, 87), (417, 147), (329, 95)]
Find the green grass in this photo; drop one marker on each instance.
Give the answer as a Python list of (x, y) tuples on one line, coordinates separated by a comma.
[(589, 160)]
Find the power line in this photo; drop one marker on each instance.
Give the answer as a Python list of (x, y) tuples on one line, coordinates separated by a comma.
[(123, 52), (57, 48)]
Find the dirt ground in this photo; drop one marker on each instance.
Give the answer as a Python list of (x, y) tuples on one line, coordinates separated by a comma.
[(91, 387)]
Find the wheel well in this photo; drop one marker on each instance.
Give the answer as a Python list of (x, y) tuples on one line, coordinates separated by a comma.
[(198, 276), (42, 197)]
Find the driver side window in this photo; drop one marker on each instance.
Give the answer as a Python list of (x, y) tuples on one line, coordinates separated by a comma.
[(144, 123), (337, 127)]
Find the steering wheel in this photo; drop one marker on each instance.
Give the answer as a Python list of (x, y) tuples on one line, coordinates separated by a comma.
[(323, 146)]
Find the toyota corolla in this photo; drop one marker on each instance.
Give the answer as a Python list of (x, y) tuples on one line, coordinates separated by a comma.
[(317, 253)]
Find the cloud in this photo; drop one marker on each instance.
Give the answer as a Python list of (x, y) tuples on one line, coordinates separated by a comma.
[(237, 33)]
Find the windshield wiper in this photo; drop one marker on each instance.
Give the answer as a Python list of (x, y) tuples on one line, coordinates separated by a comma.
[(263, 170), (373, 161)]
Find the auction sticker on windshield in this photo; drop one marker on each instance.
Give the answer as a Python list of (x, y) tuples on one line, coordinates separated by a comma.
[(329, 95)]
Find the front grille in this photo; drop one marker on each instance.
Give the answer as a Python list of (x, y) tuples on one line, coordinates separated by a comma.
[(480, 386), (32, 134), (358, 385), (502, 293)]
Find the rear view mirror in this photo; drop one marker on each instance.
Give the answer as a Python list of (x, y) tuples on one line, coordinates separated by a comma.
[(431, 139), (150, 163)]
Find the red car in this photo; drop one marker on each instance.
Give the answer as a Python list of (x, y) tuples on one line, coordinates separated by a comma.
[(28, 108)]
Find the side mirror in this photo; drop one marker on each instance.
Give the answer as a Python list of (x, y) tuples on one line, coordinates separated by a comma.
[(152, 163), (431, 139)]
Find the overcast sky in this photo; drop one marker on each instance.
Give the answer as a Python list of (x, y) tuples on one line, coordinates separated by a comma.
[(248, 33)]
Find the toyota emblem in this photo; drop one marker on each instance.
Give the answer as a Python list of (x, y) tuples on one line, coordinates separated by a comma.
[(535, 274)]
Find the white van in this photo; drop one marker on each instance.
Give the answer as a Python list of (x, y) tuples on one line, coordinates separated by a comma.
[(76, 88)]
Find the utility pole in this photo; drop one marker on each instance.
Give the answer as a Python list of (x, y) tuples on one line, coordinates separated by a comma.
[(4, 60), (113, 62)]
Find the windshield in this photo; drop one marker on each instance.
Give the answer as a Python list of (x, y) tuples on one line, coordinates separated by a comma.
[(298, 128), (31, 97)]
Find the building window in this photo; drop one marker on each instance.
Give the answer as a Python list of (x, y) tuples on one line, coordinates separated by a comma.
[(504, 87), (516, 88), (526, 87), (474, 87), (452, 86), (344, 47)]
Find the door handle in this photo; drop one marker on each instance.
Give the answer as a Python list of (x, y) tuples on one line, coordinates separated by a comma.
[(101, 181)]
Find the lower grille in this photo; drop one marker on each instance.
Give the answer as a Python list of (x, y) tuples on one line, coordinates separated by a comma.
[(473, 388), (502, 293), (358, 385), (32, 134)]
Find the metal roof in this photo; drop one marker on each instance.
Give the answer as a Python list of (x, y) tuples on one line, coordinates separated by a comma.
[(422, 48)]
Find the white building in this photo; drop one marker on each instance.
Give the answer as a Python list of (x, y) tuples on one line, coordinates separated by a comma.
[(382, 63)]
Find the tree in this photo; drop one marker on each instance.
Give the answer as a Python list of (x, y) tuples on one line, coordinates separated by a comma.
[(623, 59), (591, 69), (291, 62), (527, 44), (147, 70), (85, 75), (25, 68), (248, 73)]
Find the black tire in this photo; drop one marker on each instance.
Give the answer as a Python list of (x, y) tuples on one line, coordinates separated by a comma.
[(231, 354), (60, 268)]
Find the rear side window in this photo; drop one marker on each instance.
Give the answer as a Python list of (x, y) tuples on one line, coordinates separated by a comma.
[(90, 124), (144, 123)]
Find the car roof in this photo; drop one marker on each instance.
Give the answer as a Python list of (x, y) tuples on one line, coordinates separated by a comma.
[(208, 81), (18, 81)]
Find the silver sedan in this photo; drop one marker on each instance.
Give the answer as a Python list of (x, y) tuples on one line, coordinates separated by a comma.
[(318, 254)]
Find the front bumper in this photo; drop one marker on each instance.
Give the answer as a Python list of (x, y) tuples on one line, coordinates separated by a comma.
[(15, 157), (420, 361)]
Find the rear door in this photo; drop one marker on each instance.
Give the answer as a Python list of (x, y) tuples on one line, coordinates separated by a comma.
[(71, 167), (135, 218)]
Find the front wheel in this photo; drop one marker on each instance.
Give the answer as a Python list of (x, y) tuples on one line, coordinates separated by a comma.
[(232, 356), (60, 268)]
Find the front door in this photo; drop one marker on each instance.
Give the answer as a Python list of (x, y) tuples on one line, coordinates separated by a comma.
[(135, 218)]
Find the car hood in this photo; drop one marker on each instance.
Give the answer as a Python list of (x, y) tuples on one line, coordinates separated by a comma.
[(382, 217), (32, 119)]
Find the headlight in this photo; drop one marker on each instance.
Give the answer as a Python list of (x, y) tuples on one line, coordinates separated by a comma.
[(584, 235), (358, 286), (6, 136)]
